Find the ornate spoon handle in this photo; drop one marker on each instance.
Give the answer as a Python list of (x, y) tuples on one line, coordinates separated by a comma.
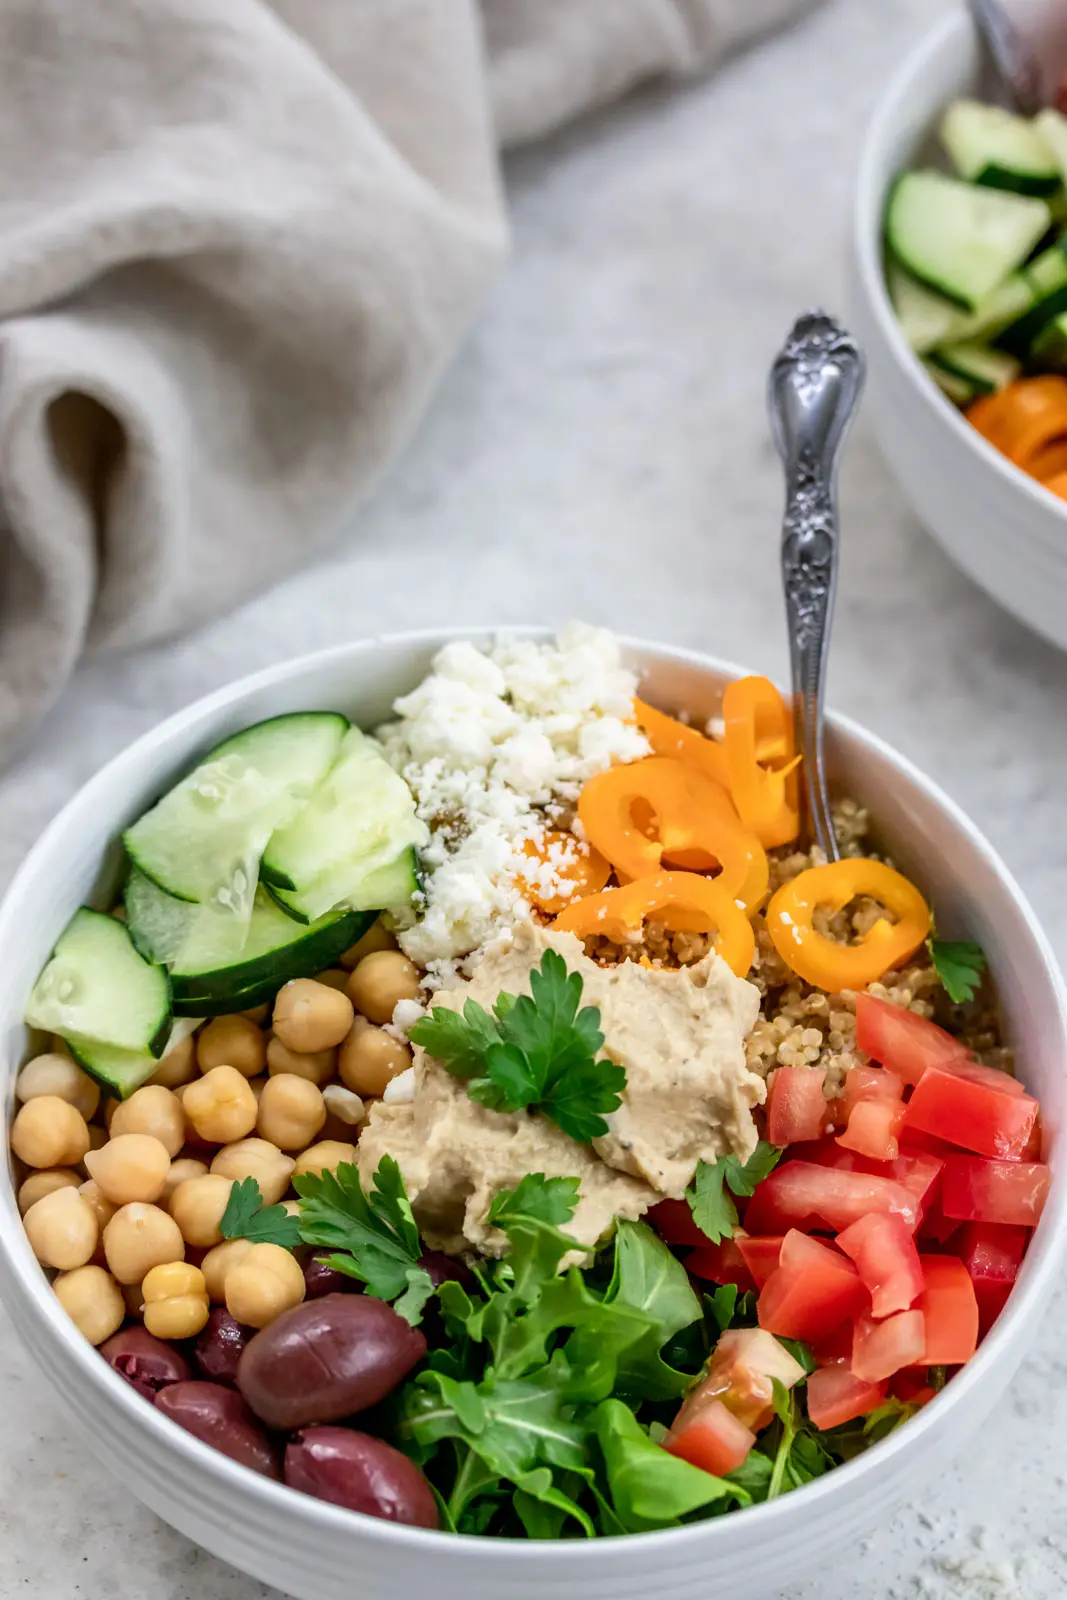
[(814, 386), (1010, 54)]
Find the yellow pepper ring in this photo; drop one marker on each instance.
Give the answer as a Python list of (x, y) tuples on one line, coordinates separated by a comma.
[(669, 737), (684, 901), (761, 760), (822, 962)]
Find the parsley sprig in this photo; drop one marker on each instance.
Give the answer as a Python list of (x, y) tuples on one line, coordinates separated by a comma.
[(246, 1217), (537, 1052), (959, 964), (710, 1193)]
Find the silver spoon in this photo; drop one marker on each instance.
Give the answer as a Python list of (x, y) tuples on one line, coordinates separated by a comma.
[(814, 386), (1010, 56)]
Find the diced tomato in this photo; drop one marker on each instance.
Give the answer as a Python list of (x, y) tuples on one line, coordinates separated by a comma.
[(761, 1256), (797, 1106), (936, 1228), (989, 1077), (911, 1384), (915, 1169), (971, 1114), (720, 1263), (802, 1193), (886, 1260), (743, 1365), (835, 1349), (836, 1395), (1035, 1145), (913, 1141), (874, 1129), (950, 1313), (813, 1291), (673, 1221), (994, 1191), (881, 1348), (902, 1041), (872, 1083), (992, 1252), (713, 1439), (919, 1172)]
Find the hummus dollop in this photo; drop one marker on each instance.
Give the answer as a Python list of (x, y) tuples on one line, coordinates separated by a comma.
[(679, 1034)]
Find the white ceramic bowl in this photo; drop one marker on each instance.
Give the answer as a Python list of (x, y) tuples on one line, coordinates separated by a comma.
[(1006, 531), (319, 1552)]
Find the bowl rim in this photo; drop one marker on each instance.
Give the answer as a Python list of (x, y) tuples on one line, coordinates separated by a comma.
[(762, 1519), (947, 39)]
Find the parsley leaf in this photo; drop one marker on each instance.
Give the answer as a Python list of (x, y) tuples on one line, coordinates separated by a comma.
[(959, 964), (713, 1210), (537, 1052), (377, 1232), (551, 1200), (246, 1217)]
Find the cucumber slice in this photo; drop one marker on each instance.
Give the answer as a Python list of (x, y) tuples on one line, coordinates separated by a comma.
[(1047, 278), (202, 842), (988, 370), (993, 147), (926, 319), (362, 814), (1005, 305), (961, 391), (1049, 349), (123, 1071), (98, 987), (276, 948), (392, 887), (961, 240)]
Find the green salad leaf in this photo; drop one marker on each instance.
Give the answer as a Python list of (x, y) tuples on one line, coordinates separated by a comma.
[(246, 1217), (536, 1052), (959, 964), (650, 1488), (709, 1194)]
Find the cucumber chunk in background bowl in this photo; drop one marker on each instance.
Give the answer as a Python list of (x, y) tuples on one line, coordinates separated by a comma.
[(317, 1551)]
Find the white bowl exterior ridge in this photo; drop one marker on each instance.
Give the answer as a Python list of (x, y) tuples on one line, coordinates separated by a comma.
[(318, 1552), (999, 525)]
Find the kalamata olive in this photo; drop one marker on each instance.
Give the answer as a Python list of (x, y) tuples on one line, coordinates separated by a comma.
[(361, 1473), (219, 1346), (445, 1269), (320, 1280), (146, 1363), (219, 1417), (327, 1358)]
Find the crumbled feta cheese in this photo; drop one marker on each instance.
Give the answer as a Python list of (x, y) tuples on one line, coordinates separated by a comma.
[(344, 1104), (489, 743), (400, 1090)]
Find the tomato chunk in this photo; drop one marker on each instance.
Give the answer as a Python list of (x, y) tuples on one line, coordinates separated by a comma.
[(797, 1106), (761, 1256), (950, 1313), (740, 1374), (992, 1252), (886, 1260), (713, 1439), (994, 1191), (872, 1083), (990, 1077), (919, 1172), (881, 1348), (836, 1395), (911, 1384), (800, 1193), (874, 1129), (673, 1221), (902, 1041), (971, 1114), (813, 1291), (720, 1263)]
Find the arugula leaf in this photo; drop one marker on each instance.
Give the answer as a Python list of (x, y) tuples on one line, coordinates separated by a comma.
[(377, 1232), (959, 964), (648, 1278), (801, 1353), (551, 1200), (886, 1418), (722, 1304), (650, 1488), (246, 1217), (537, 1052), (713, 1210)]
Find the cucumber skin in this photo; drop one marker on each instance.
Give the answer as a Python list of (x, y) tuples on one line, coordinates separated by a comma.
[(1018, 339), (1009, 182), (85, 1060), (214, 994)]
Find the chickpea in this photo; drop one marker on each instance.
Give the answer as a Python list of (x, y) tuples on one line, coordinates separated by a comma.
[(291, 1208), (92, 1300), (370, 1058), (259, 1159), (218, 1263), (343, 1106), (291, 1112), (380, 980), (232, 1042), (138, 1238), (58, 1075), (266, 1282), (49, 1132), (62, 1229), (333, 978), (177, 1066), (377, 937), (38, 1184), (317, 1066), (152, 1110), (197, 1206), (131, 1294), (132, 1166), (257, 1014), (97, 1140), (181, 1171), (103, 1208), (311, 1016), (326, 1156), (176, 1305), (220, 1106)]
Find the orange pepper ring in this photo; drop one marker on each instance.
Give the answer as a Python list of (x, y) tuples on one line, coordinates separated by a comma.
[(821, 961), (759, 731), (669, 737), (587, 870), (687, 903)]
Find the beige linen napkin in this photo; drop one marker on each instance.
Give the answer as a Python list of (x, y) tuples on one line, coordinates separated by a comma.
[(239, 240)]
